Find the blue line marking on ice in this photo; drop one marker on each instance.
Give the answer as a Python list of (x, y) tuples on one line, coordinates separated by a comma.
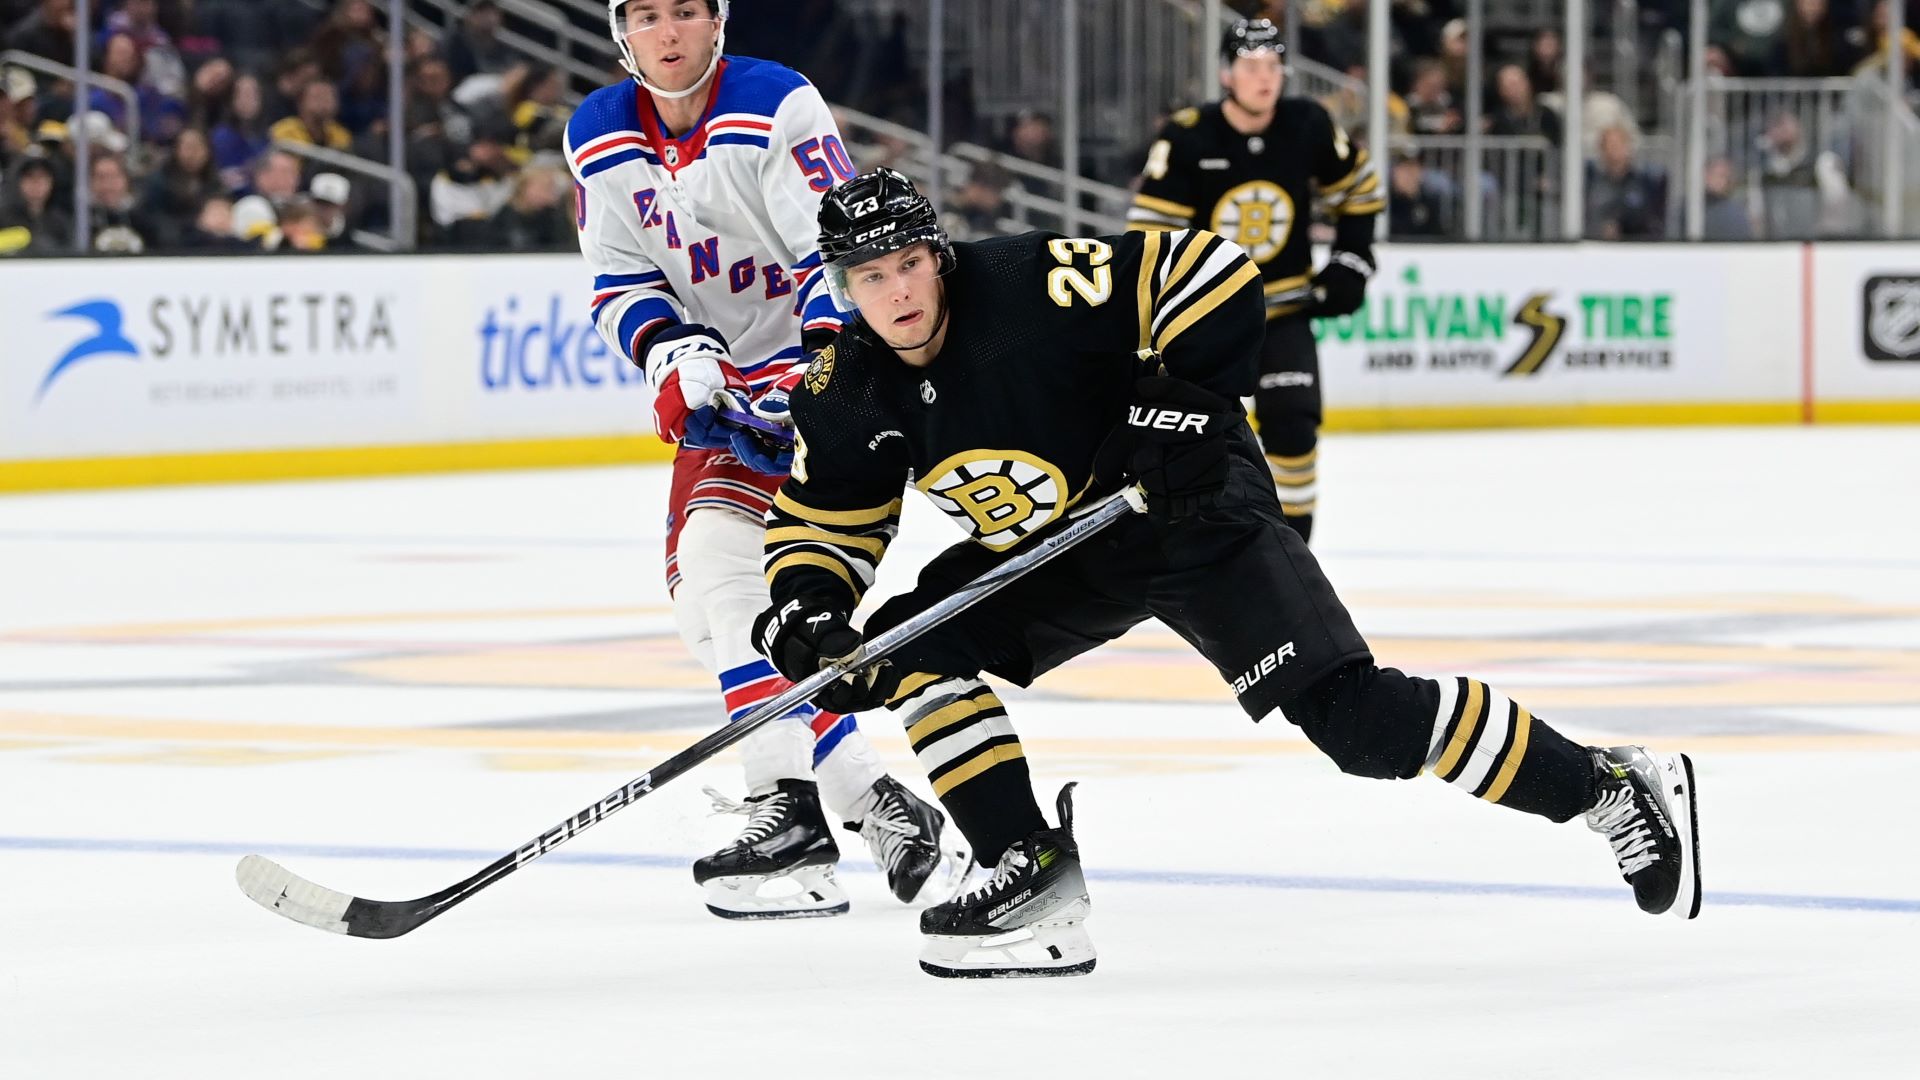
[(1282, 882)]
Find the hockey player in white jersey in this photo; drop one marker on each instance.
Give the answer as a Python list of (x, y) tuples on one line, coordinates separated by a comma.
[(698, 183)]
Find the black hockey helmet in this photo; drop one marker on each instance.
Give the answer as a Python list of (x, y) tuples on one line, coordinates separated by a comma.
[(1249, 36), (872, 215)]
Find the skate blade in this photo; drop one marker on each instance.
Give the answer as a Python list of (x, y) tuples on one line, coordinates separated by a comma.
[(1687, 903), (1039, 951), (806, 893)]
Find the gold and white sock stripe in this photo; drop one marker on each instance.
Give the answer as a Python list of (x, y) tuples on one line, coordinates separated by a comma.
[(958, 728), (1297, 479), (1479, 738)]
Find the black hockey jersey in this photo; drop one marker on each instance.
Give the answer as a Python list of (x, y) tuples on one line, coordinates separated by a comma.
[(1257, 190), (1045, 337)]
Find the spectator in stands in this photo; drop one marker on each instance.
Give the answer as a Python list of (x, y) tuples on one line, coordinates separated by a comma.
[(1804, 190), (212, 229), (256, 223), (1625, 201), (1516, 111), (1752, 32), (27, 204), (1726, 214), (241, 135), (176, 191), (1415, 209), (1432, 107), (19, 107), (210, 93), (119, 225), (1453, 56), (161, 115), (463, 199), (1815, 46), (316, 123), (1031, 137), (1875, 39), (282, 99), (476, 49), (350, 40), (536, 217), (161, 66), (48, 31), (332, 197), (1545, 61), (980, 204), (1348, 107), (532, 97), (363, 99), (436, 126), (276, 177), (301, 227)]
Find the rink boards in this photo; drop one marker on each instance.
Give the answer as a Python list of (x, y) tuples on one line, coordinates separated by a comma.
[(170, 370)]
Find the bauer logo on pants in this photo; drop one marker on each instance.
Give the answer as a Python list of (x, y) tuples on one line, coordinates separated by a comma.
[(1890, 327), (1268, 664)]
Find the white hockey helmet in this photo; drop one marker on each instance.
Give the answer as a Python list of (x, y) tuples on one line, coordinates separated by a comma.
[(720, 10)]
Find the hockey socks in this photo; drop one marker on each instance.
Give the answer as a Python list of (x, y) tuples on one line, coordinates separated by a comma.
[(1490, 746), (959, 730)]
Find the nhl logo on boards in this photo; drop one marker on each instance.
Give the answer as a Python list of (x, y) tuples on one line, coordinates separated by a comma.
[(1001, 497), (1890, 327)]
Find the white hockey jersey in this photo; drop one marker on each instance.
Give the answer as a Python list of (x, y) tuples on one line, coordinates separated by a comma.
[(718, 226)]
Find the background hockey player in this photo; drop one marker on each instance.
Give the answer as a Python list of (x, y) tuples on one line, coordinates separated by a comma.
[(1246, 167), (1004, 378), (698, 183)]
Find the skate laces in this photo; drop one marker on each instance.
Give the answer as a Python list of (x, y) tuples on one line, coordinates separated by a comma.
[(886, 828), (1618, 815), (1010, 864), (763, 815)]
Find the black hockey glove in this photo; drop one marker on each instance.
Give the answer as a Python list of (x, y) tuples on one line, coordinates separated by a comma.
[(1342, 283), (800, 637), (1174, 443)]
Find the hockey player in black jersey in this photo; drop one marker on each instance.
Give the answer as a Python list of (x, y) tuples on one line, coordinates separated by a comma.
[(1247, 167), (1010, 380)]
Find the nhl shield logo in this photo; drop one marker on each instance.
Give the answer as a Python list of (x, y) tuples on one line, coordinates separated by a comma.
[(1891, 325), (672, 155)]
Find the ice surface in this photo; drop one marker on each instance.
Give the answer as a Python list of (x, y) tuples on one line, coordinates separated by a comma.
[(385, 684)]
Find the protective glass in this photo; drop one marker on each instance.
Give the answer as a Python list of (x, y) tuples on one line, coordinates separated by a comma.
[(689, 15)]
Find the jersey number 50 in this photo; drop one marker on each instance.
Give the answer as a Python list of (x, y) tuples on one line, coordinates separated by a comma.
[(823, 159), (1065, 280)]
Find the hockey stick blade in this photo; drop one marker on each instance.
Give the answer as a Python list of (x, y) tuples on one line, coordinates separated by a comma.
[(291, 896)]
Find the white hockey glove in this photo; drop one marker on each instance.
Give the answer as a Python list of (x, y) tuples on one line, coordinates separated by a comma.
[(688, 366)]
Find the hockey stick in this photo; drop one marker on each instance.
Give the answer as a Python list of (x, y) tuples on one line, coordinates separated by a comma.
[(769, 430), (285, 893)]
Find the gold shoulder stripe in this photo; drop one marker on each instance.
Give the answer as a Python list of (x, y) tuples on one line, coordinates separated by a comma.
[(874, 516), (1186, 117), (800, 534), (1198, 245), (813, 558), (1143, 299), (1356, 209), (1163, 206), (1152, 226), (1199, 308)]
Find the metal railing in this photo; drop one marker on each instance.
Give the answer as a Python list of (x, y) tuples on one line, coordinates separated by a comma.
[(1518, 185), (403, 216), (136, 150)]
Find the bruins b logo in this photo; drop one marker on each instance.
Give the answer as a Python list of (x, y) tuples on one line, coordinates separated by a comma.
[(1257, 215), (1000, 496)]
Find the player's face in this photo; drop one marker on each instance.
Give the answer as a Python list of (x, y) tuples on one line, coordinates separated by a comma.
[(672, 40), (1254, 81), (899, 295)]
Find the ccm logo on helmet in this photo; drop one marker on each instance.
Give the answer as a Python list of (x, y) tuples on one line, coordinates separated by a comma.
[(1167, 419), (882, 230)]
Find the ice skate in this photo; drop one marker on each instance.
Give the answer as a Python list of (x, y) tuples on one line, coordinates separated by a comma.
[(781, 864), (907, 837), (1647, 812), (1025, 922)]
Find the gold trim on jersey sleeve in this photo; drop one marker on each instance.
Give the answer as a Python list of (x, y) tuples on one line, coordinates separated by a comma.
[(1199, 245), (1199, 308), (813, 558), (1359, 170), (872, 516), (1150, 246), (1165, 207), (1286, 283)]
